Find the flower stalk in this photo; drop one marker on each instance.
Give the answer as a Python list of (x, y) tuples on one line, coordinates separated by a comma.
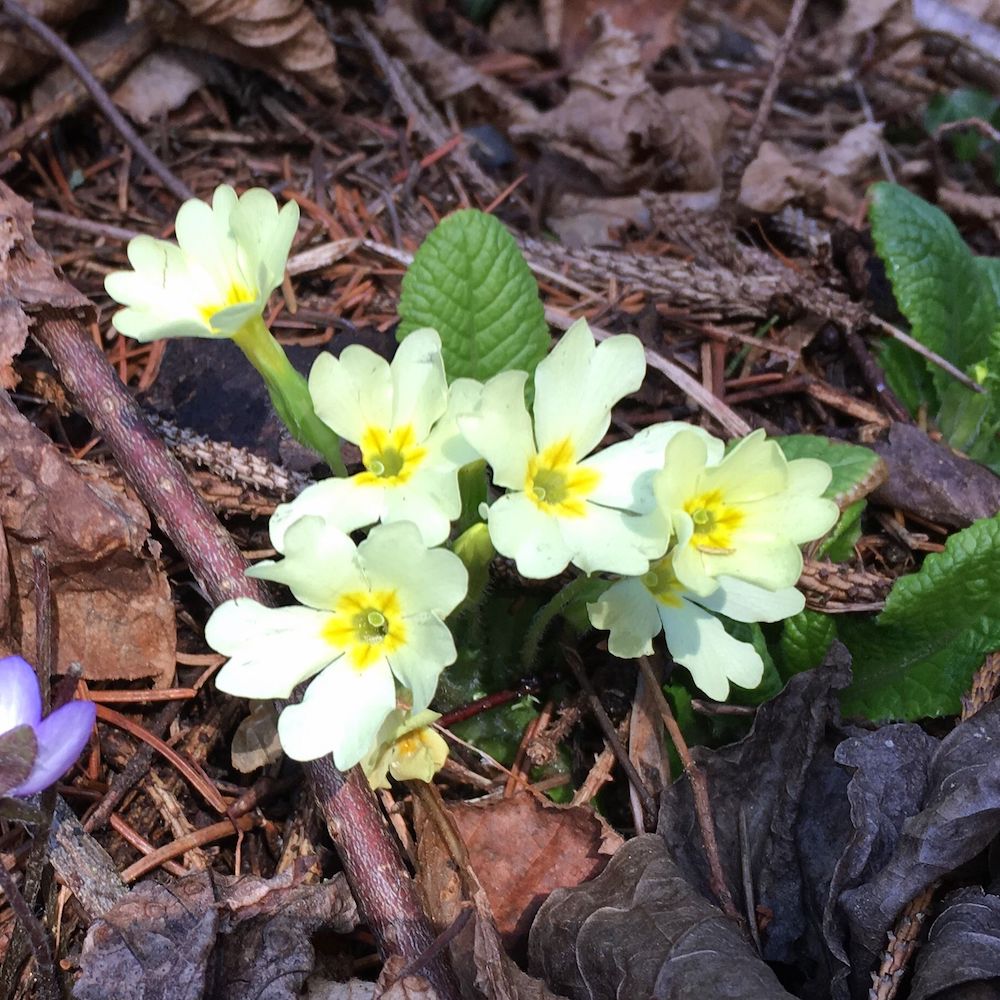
[(289, 392), (386, 894)]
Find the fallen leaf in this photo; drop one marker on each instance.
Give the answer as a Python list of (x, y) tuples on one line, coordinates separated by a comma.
[(928, 479), (212, 936), (641, 930), (162, 82), (268, 35), (255, 742), (522, 849), (626, 133), (775, 177), (582, 222), (963, 947), (652, 24), (113, 607), (411, 987), (450, 885)]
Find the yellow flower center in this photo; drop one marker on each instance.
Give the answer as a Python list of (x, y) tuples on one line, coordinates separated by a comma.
[(556, 484), (410, 744), (714, 522), (389, 457), (233, 297), (661, 581), (366, 625)]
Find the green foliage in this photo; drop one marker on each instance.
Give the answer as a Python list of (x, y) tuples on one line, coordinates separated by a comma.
[(838, 546), (952, 300), (805, 639), (470, 282), (478, 10), (853, 466), (945, 295), (961, 105), (918, 657)]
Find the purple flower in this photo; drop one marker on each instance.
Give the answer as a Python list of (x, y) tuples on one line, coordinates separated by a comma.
[(58, 739)]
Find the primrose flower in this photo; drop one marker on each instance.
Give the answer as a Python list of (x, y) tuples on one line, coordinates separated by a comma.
[(408, 749), (562, 506), (228, 259), (373, 612), (35, 752), (638, 608), (402, 416), (744, 517)]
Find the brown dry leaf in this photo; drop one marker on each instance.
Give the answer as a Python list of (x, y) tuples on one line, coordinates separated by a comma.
[(267, 35), (483, 967), (255, 742), (412, 987), (833, 176), (626, 133), (522, 849), (162, 82), (113, 607), (22, 55), (212, 936), (582, 222), (652, 22)]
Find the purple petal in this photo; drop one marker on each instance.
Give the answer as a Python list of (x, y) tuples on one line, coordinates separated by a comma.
[(20, 700), (61, 736)]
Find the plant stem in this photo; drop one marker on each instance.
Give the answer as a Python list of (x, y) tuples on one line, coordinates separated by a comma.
[(386, 894), (289, 392), (41, 943), (543, 617)]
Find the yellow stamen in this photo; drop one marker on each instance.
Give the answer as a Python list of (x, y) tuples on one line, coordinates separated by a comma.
[(714, 522), (366, 625), (390, 457), (233, 297), (556, 484)]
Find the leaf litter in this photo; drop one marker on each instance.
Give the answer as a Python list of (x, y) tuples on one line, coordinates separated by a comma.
[(827, 826)]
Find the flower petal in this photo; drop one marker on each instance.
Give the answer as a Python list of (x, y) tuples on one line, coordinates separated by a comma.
[(530, 537), (697, 640), (446, 442), (628, 468), (353, 392), (264, 236), (20, 697), (578, 383), (613, 541), (746, 602), (271, 650), (61, 737), (341, 713), (755, 468), (419, 386), (628, 611), (418, 663), (320, 564), (431, 500), (500, 429), (774, 563), (341, 503), (683, 465), (395, 557)]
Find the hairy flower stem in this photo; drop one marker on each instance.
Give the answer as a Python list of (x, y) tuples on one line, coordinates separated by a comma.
[(385, 892), (289, 392)]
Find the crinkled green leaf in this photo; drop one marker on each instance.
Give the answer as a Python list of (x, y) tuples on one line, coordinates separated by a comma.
[(470, 282), (908, 375), (918, 657), (805, 639), (945, 295), (856, 469)]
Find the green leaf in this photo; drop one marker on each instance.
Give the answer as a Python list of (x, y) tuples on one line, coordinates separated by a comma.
[(908, 375), (469, 282), (805, 639), (856, 470), (838, 546), (918, 657), (478, 10), (958, 106), (945, 295)]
